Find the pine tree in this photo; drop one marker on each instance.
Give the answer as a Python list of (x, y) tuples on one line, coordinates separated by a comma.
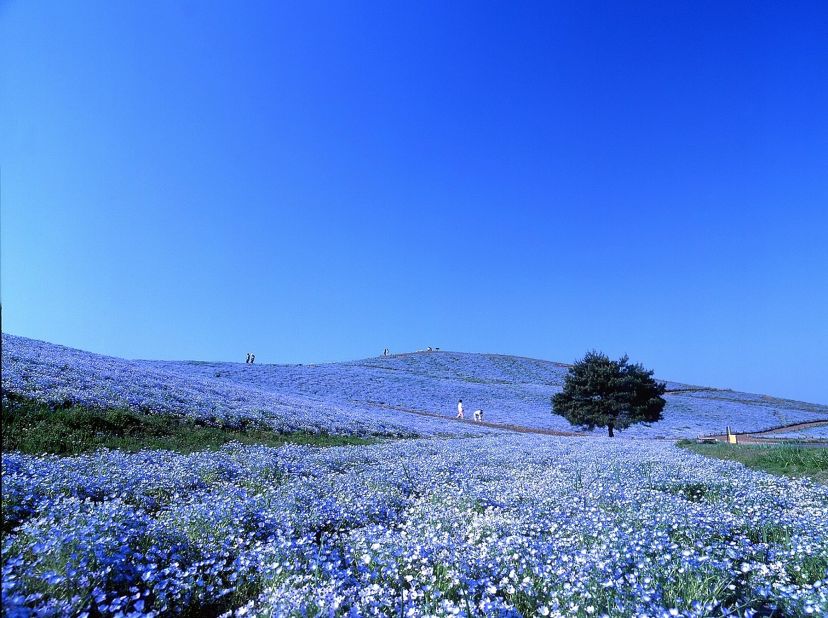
[(599, 392)]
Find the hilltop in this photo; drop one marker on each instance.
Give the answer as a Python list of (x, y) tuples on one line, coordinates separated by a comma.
[(364, 397)]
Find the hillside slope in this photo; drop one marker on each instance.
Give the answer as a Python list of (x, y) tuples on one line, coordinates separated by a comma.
[(59, 375), (354, 397), (509, 389)]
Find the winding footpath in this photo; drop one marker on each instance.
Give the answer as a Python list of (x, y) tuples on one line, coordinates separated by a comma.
[(747, 437), (501, 426), (765, 436)]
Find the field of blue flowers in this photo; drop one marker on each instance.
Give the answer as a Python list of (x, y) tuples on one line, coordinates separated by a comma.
[(57, 374), (354, 397), (499, 525), (459, 520)]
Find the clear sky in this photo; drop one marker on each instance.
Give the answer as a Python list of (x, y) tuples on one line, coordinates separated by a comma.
[(318, 181)]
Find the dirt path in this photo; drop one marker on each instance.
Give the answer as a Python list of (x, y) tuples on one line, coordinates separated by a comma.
[(747, 437), (794, 427), (504, 427), (765, 436)]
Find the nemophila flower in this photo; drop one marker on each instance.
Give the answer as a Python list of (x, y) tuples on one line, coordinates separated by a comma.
[(341, 531)]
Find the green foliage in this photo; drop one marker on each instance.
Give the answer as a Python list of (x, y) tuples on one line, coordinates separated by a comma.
[(768, 532), (682, 587), (782, 459), (812, 568), (33, 427), (599, 392)]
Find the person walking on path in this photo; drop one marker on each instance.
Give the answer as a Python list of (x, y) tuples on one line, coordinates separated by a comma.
[(460, 409)]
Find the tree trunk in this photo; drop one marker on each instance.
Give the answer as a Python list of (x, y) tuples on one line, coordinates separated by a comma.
[(611, 435)]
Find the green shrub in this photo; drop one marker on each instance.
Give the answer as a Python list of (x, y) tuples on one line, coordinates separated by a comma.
[(34, 427)]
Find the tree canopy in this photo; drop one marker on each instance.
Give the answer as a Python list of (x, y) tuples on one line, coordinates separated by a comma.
[(599, 392)]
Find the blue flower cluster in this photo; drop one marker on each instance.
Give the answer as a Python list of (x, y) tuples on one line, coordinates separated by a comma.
[(497, 526)]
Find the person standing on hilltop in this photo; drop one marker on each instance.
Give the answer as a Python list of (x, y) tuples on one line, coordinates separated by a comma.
[(460, 409), (248, 358), (252, 358)]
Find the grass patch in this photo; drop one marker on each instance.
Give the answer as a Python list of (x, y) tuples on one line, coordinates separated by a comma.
[(707, 585), (768, 533), (33, 427), (781, 459)]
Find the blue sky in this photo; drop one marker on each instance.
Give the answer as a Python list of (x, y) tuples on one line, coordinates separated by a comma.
[(319, 181)]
